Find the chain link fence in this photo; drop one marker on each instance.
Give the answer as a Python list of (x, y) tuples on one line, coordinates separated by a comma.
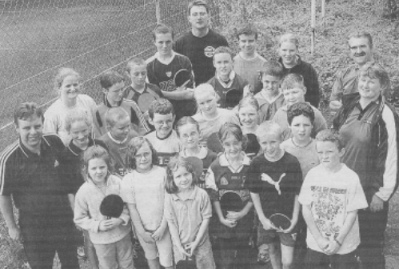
[(37, 37)]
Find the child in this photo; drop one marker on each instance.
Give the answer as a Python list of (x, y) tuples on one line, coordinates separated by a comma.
[(293, 64), (143, 189), (225, 78), (294, 92), (164, 139), (68, 84), (248, 63), (162, 68), (189, 134), (227, 174), (274, 180), (113, 85), (117, 138), (270, 98), (333, 235), (110, 236), (188, 211), (248, 113), (209, 117)]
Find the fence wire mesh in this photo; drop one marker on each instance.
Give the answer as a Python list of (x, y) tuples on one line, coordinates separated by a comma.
[(37, 37)]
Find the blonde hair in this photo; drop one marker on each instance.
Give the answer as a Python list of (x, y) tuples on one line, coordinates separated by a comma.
[(290, 38), (64, 72)]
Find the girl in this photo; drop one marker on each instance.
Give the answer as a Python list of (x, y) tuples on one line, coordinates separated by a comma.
[(68, 84), (78, 126), (248, 113), (189, 134), (188, 211), (227, 175), (143, 189), (110, 237)]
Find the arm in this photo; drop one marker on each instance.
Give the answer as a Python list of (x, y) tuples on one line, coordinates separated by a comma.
[(8, 214), (295, 214), (227, 222), (157, 235), (322, 242), (82, 216), (236, 216), (267, 225), (314, 89), (201, 232), (71, 198), (138, 224), (179, 94)]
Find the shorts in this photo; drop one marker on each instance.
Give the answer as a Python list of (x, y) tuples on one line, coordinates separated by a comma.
[(161, 249), (203, 255), (270, 236)]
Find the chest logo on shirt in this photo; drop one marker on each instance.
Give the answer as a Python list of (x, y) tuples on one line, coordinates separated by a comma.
[(169, 74), (268, 179), (223, 181), (209, 51)]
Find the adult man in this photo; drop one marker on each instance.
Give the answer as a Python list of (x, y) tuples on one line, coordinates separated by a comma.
[(29, 172), (200, 43), (346, 80)]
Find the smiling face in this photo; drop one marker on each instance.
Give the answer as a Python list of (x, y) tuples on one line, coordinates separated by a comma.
[(189, 136), (97, 169), (288, 51), (294, 95), (30, 132), (164, 43), (329, 154), (163, 124), (223, 63), (271, 84), (232, 146), (369, 88), (138, 74), (248, 116), (80, 133), (360, 50), (70, 88), (143, 158), (301, 128), (182, 178), (247, 44), (198, 18), (270, 145)]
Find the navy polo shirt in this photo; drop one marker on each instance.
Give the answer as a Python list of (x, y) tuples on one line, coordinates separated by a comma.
[(33, 180)]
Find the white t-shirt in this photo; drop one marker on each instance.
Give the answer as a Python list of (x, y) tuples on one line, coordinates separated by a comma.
[(331, 197), (147, 192)]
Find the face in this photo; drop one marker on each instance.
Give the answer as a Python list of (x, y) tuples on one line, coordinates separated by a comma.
[(97, 169), (80, 133), (121, 129), (270, 145), (329, 155), (189, 136), (207, 102), (247, 44), (232, 147), (301, 128), (164, 43), (143, 158), (248, 116), (223, 64), (270, 84), (369, 88), (199, 17), (30, 131), (360, 50), (182, 178), (163, 124), (70, 88), (288, 52), (293, 96), (115, 92), (138, 74)]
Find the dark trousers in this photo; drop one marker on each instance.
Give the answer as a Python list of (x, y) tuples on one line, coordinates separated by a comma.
[(319, 260), (372, 228), (232, 253), (43, 236)]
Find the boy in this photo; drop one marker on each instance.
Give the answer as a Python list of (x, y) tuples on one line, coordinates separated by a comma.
[(333, 234), (225, 78), (117, 138), (113, 85), (209, 117), (294, 92), (248, 63), (162, 68), (270, 99), (164, 139), (274, 180)]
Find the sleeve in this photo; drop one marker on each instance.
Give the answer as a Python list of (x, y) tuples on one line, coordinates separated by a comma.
[(168, 210), (337, 88), (178, 46), (206, 207), (97, 123), (356, 198), (127, 190), (150, 72), (319, 121), (388, 156), (7, 176), (51, 120), (82, 216), (189, 67), (210, 185), (296, 169), (223, 41), (125, 216), (314, 89), (305, 195)]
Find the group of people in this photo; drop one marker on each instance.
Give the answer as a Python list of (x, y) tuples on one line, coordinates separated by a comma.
[(203, 168)]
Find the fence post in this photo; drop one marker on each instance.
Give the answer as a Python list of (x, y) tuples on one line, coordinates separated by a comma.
[(158, 10), (312, 25), (323, 12)]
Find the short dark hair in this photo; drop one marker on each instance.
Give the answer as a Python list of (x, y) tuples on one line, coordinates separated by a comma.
[(362, 34), (133, 146), (331, 135), (174, 163), (272, 68), (197, 3), (247, 29), (299, 109), (161, 28), (27, 110), (160, 106), (184, 121), (110, 78)]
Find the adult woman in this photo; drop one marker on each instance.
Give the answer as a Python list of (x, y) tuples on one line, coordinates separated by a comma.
[(67, 83), (292, 63), (369, 127)]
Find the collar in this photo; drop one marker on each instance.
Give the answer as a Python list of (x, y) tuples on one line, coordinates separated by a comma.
[(137, 91), (298, 62), (76, 150), (262, 95), (156, 56), (166, 137), (232, 75), (357, 66), (118, 142), (201, 154), (175, 197), (379, 102), (44, 144), (224, 162)]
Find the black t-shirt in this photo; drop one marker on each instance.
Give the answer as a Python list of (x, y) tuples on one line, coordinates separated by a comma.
[(288, 170), (200, 52)]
